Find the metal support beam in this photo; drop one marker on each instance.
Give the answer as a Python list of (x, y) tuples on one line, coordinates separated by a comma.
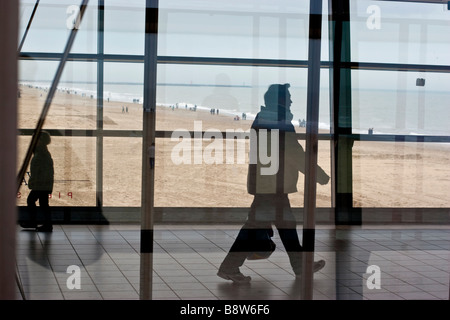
[(341, 114), (312, 131), (148, 139), (341, 129), (100, 98)]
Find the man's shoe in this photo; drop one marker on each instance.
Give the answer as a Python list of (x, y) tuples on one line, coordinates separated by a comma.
[(44, 228), (318, 265), (237, 277), (28, 225)]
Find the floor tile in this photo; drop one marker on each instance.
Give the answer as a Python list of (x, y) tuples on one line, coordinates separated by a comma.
[(413, 263)]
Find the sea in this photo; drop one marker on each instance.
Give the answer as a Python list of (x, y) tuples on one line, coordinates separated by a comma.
[(379, 111)]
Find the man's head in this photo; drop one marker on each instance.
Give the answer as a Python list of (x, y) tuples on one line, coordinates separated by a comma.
[(278, 95), (44, 138)]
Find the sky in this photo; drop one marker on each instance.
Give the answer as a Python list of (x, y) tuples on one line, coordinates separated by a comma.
[(381, 31)]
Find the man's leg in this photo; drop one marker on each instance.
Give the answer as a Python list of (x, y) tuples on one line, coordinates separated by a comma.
[(229, 269), (244, 243), (43, 203), (291, 242), (31, 203), (287, 228)]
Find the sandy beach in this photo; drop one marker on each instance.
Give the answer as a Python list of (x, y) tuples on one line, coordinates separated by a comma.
[(385, 174)]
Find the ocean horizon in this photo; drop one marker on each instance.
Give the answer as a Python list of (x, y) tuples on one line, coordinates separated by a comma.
[(380, 110)]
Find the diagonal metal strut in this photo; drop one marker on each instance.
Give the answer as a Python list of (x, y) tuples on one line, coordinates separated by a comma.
[(49, 98), (28, 26)]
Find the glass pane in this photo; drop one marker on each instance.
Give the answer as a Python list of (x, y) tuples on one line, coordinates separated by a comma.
[(35, 78), (232, 90), (400, 174), (74, 171), (216, 99), (397, 103), (236, 29), (74, 104), (400, 32), (52, 24), (122, 172), (125, 27), (123, 96), (197, 182)]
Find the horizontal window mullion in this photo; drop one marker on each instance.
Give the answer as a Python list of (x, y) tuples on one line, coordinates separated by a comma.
[(234, 62), (396, 138), (236, 135), (376, 66)]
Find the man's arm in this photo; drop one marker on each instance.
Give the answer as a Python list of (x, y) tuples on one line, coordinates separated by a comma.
[(297, 158)]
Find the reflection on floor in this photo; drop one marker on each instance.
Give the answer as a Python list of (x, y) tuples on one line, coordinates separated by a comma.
[(413, 263)]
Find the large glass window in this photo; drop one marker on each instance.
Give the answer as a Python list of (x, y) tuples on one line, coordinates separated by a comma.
[(387, 79), (122, 173), (252, 45), (399, 94)]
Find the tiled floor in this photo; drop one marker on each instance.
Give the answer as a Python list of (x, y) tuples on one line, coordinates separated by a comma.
[(413, 262)]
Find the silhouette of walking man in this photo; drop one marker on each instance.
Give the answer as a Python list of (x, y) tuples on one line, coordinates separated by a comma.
[(41, 182), (271, 203)]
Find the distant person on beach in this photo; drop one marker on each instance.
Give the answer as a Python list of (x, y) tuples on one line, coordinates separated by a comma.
[(271, 203), (41, 182)]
